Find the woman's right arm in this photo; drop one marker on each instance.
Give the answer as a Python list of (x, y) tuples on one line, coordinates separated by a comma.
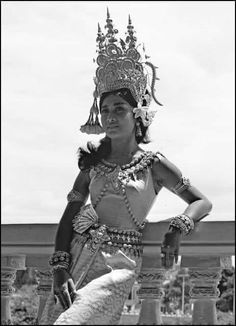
[(76, 199), (63, 285)]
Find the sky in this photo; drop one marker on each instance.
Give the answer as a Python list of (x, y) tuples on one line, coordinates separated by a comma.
[(47, 84)]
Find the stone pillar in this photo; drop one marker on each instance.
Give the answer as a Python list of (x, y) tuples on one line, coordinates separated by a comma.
[(9, 266), (151, 292), (234, 297), (44, 279), (184, 274), (205, 274)]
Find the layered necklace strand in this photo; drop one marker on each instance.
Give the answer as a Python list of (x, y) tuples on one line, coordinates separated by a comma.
[(119, 176)]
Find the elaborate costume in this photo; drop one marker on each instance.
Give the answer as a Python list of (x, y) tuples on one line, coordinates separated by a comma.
[(106, 248), (128, 192)]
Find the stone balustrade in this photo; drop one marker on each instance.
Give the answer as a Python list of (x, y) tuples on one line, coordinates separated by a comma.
[(9, 266), (204, 254)]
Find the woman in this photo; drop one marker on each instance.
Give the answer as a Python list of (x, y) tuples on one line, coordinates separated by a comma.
[(98, 247)]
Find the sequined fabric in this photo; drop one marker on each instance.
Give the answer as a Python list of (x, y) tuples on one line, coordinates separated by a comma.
[(122, 197), (101, 301), (101, 295)]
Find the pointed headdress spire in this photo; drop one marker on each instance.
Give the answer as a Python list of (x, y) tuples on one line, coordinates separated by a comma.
[(120, 65), (108, 14)]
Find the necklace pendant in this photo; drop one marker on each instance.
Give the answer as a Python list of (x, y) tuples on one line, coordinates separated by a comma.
[(114, 179), (116, 185)]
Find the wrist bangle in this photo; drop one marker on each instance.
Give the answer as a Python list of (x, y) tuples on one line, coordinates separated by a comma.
[(182, 222), (57, 267), (60, 258)]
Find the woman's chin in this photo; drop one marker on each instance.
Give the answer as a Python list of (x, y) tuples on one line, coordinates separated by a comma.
[(113, 133)]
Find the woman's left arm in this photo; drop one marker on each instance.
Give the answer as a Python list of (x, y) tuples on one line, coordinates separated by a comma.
[(166, 174)]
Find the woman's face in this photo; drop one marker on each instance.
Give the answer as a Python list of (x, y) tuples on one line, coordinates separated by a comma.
[(117, 117)]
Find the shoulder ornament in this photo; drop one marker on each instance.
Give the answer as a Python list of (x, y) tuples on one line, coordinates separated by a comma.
[(138, 164)]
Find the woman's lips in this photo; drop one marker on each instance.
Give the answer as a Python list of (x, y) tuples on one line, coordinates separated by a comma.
[(112, 126)]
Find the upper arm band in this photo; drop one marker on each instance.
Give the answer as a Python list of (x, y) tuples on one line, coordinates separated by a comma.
[(75, 195), (182, 185)]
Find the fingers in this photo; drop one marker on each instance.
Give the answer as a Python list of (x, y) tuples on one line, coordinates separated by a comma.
[(168, 261), (176, 254), (55, 299), (64, 298), (67, 298), (72, 289), (58, 298), (172, 239), (167, 256)]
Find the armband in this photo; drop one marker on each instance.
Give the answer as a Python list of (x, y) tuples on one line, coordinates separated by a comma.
[(182, 185), (74, 196), (183, 223)]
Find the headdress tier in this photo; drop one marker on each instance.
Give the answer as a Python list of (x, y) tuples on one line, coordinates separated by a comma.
[(121, 65)]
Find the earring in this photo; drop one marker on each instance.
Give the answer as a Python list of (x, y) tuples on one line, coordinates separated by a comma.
[(138, 132)]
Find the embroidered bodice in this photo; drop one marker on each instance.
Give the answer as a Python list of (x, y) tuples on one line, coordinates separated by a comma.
[(123, 195)]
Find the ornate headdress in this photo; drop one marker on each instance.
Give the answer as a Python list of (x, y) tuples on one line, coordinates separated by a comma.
[(121, 65)]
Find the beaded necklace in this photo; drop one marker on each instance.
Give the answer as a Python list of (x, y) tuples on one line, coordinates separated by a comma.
[(119, 176)]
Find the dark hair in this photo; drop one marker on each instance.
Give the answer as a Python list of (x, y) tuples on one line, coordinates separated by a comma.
[(126, 94), (93, 154), (122, 92)]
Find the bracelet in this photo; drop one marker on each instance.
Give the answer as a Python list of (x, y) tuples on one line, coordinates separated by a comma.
[(182, 185), (60, 258), (182, 222), (58, 267)]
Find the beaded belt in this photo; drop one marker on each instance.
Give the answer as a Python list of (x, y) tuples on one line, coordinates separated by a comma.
[(124, 236), (126, 240), (86, 223), (130, 241)]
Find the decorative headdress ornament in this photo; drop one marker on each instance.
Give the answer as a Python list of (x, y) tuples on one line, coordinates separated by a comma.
[(120, 65)]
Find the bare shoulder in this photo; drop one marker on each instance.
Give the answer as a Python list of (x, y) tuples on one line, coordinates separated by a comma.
[(165, 172), (82, 181)]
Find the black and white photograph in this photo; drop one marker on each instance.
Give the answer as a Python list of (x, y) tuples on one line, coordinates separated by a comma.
[(118, 169)]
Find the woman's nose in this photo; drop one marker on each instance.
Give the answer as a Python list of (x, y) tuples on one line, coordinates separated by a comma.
[(111, 118)]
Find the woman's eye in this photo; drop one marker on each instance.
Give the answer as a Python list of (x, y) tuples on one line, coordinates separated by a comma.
[(104, 111), (120, 109)]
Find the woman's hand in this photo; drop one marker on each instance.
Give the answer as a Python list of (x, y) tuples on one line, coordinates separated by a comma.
[(63, 288), (170, 247)]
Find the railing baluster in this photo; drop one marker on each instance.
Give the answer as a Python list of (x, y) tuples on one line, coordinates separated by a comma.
[(151, 292), (44, 278), (205, 274), (214, 238), (9, 266)]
